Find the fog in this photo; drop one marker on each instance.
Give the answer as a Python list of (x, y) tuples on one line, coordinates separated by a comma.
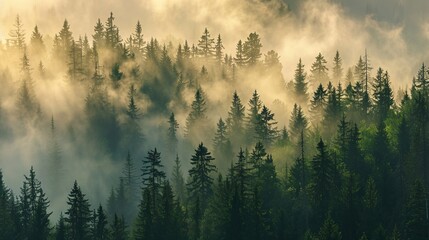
[(393, 33)]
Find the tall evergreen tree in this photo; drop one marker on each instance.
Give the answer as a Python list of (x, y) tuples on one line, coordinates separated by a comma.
[(200, 184), (206, 45), (219, 49), (198, 112), (266, 130), (300, 85), (298, 122), (178, 180), (322, 181), (173, 125), (318, 103), (319, 71), (239, 58), (17, 34), (235, 118), (152, 174), (252, 49), (78, 215), (252, 120), (337, 70)]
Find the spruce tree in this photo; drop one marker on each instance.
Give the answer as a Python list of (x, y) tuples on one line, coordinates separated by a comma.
[(297, 123), (219, 49), (252, 49), (266, 129), (319, 71), (118, 229), (78, 214), (235, 118), (200, 184), (318, 103), (300, 84), (206, 45), (239, 58), (337, 70), (197, 114), (152, 174), (252, 120), (173, 125), (178, 180), (322, 180)]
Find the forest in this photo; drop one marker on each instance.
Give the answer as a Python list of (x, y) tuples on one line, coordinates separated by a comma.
[(130, 137)]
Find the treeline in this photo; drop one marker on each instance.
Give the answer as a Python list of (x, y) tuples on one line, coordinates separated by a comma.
[(351, 164)]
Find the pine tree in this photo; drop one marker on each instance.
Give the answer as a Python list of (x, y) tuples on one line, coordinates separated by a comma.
[(129, 177), (382, 94), (99, 34), (178, 180), (416, 213), (118, 229), (266, 130), (329, 230), (18, 35), (37, 45), (299, 173), (137, 40), (133, 111), (337, 70), (6, 220), (152, 174), (101, 230), (198, 112), (239, 58), (235, 118), (173, 125), (200, 184), (241, 175), (219, 49), (167, 228), (252, 120), (111, 32), (322, 180), (298, 122), (60, 229), (65, 42), (78, 215), (252, 49), (145, 226), (318, 103), (300, 85), (319, 71), (206, 45)]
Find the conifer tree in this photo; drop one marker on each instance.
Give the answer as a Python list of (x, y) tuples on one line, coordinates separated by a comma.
[(206, 45), (382, 94), (137, 40), (322, 180), (337, 70), (99, 34), (78, 215), (219, 49), (300, 85), (37, 44), (416, 213), (235, 118), (319, 71), (239, 58), (173, 125), (252, 49), (118, 229), (318, 103), (298, 122), (60, 229), (152, 174), (266, 130), (17, 34), (178, 180), (200, 184), (252, 120), (198, 112)]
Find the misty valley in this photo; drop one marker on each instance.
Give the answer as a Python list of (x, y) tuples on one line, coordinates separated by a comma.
[(124, 136)]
